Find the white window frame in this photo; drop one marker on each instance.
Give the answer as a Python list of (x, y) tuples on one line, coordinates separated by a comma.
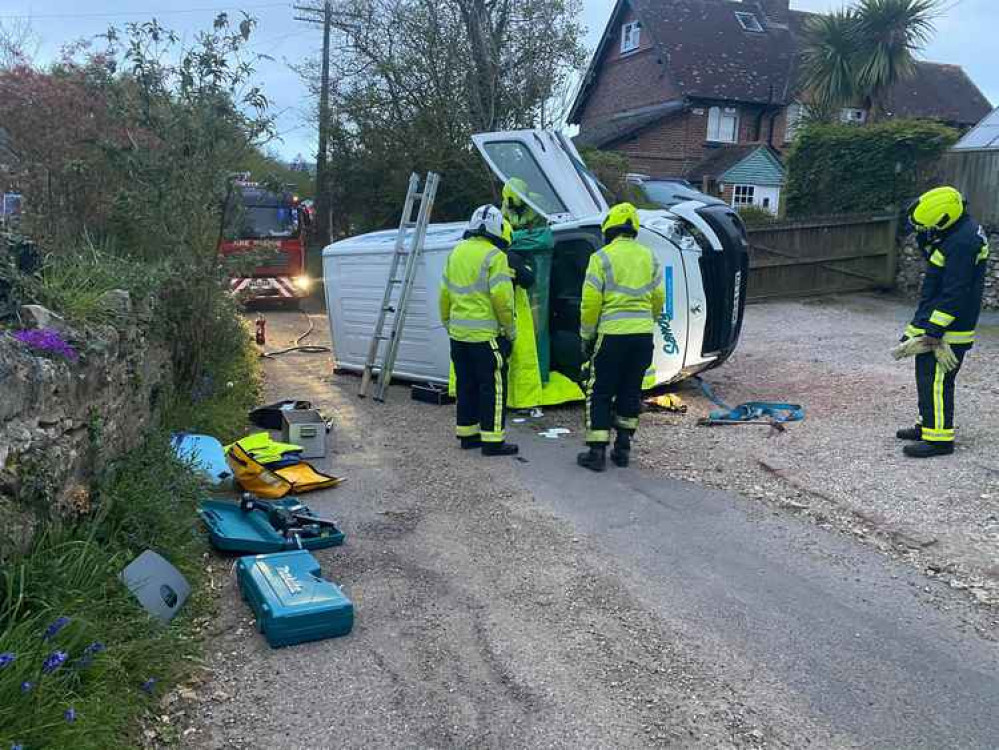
[(723, 125), (631, 36), (749, 22), (743, 195), (853, 115)]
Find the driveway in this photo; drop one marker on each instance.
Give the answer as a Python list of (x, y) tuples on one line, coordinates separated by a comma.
[(525, 604)]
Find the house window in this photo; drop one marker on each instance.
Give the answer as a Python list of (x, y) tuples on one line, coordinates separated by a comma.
[(749, 22), (853, 115), (743, 195), (723, 124), (630, 35)]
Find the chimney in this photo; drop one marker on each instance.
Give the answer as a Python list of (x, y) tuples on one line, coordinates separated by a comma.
[(776, 10)]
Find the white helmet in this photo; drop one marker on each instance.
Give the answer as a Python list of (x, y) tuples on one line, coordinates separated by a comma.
[(487, 221)]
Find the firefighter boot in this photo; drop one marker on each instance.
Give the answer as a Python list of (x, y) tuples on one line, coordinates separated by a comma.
[(468, 443), (499, 449), (595, 459), (910, 433), (924, 449), (621, 455)]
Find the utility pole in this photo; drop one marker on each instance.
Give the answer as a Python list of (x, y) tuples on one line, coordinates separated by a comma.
[(323, 212)]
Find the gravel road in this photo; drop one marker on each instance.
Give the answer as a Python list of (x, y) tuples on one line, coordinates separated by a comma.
[(494, 610)]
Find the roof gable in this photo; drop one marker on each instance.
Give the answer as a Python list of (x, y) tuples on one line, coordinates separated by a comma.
[(760, 167)]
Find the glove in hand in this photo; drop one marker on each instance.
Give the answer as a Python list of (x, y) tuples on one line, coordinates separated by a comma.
[(946, 357)]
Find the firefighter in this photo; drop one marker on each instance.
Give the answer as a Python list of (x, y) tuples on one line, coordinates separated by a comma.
[(515, 209), (956, 250), (623, 295), (477, 309)]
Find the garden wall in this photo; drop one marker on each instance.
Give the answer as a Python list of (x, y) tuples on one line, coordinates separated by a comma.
[(911, 265), (62, 415)]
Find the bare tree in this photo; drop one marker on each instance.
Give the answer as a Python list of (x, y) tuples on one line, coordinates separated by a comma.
[(18, 43)]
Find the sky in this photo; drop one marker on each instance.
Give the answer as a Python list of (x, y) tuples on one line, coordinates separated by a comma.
[(966, 35)]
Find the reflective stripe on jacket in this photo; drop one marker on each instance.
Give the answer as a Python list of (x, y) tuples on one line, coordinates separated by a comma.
[(476, 293), (623, 291), (951, 298)]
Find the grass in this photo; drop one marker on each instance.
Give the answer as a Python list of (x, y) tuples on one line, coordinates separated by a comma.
[(96, 698)]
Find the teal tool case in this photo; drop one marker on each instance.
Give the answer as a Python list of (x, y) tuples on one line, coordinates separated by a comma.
[(232, 529), (292, 602)]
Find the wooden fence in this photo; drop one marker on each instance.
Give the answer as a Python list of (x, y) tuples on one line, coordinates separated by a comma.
[(822, 256), (976, 174)]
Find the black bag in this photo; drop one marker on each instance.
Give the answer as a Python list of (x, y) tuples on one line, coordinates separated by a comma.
[(269, 417)]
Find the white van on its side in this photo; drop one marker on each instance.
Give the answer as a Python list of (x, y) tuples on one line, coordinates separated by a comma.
[(701, 245)]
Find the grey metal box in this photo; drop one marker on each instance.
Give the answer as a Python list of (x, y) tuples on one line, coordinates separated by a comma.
[(304, 427)]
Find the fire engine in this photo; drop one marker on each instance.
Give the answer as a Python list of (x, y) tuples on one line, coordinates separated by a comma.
[(267, 228)]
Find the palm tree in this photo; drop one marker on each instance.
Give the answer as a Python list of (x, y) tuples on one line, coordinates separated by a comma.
[(829, 60), (860, 54), (890, 33)]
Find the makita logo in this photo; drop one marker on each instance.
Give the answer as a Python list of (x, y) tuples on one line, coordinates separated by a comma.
[(285, 574)]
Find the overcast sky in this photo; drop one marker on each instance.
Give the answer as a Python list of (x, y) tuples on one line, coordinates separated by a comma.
[(966, 35)]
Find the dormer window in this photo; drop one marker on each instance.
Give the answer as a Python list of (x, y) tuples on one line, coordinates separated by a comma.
[(630, 36), (749, 22)]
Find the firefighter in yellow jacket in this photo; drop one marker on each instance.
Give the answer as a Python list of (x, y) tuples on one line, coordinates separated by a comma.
[(623, 295), (477, 308)]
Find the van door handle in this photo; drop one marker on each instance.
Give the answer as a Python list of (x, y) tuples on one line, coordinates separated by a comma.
[(696, 309)]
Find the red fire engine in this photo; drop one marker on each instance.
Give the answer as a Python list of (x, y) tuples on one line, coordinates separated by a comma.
[(268, 228)]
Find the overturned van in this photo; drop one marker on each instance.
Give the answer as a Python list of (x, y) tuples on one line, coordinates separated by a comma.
[(702, 248)]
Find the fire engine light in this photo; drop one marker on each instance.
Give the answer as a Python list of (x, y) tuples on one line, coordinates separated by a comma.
[(304, 283)]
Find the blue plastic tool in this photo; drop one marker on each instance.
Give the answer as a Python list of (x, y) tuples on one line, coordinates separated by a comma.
[(292, 602), (207, 455)]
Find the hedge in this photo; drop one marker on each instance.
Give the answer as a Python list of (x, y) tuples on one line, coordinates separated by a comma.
[(847, 168)]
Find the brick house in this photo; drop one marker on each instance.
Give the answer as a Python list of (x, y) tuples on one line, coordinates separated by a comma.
[(706, 90)]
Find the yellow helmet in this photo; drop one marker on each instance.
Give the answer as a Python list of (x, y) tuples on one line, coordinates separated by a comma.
[(621, 219), (938, 209), (513, 191)]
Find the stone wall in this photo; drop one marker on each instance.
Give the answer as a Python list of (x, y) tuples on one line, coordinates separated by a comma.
[(62, 419), (911, 265)]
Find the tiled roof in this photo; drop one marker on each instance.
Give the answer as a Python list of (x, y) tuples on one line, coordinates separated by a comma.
[(941, 92), (624, 124)]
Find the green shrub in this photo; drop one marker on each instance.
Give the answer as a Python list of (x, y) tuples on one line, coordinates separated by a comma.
[(834, 168), (756, 216)]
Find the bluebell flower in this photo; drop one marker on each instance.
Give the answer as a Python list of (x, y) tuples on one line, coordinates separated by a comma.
[(6, 658), (17, 747), (70, 714), (149, 685), (53, 630), (54, 660), (26, 686), (88, 655)]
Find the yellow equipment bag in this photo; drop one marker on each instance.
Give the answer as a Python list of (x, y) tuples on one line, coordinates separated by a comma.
[(253, 476), (265, 449)]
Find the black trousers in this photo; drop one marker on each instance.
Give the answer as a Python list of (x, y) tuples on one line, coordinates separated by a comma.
[(614, 391), (936, 395), (480, 371)]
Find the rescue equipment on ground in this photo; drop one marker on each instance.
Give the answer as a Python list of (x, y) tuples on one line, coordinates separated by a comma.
[(666, 402), (298, 346), (291, 600), (305, 427), (285, 474), (771, 413), (160, 588), (269, 417), (409, 245), (256, 526), (431, 393), (207, 456)]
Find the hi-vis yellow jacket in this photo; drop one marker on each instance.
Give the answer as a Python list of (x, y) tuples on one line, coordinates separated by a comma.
[(623, 291), (476, 294)]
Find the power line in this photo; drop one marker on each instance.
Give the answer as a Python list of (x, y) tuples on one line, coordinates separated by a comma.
[(170, 11)]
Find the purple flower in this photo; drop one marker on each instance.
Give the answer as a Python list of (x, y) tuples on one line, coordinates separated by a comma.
[(54, 660), (53, 630), (88, 655), (6, 658), (47, 340), (26, 686), (149, 685), (70, 714), (17, 747)]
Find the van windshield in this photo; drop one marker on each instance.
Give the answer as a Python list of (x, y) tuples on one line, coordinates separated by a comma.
[(515, 161)]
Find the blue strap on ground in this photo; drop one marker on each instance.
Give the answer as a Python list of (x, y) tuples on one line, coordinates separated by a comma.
[(751, 410)]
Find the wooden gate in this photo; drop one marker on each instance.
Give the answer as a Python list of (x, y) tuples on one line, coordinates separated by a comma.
[(822, 256)]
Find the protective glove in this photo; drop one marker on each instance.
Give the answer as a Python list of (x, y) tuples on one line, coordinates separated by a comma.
[(587, 347), (945, 357), (911, 347)]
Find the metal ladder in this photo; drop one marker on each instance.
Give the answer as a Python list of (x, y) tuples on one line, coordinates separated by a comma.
[(416, 233)]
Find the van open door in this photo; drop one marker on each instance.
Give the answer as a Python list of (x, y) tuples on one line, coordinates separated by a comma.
[(559, 185)]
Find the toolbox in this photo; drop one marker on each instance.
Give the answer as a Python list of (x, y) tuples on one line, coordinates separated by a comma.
[(431, 393), (305, 427), (233, 529), (291, 600)]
